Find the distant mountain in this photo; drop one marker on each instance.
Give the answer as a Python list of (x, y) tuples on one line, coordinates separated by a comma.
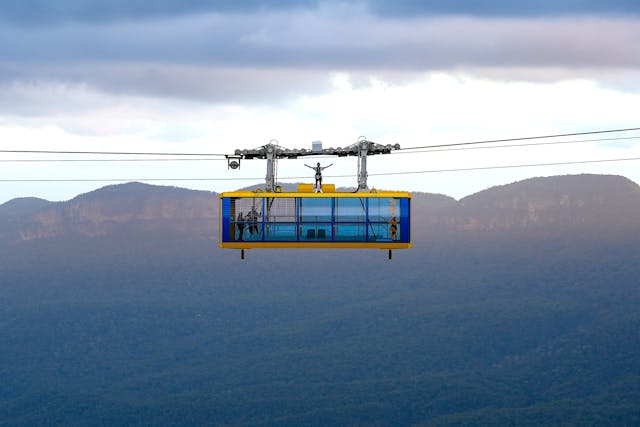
[(587, 202), (593, 201), (126, 208), (22, 206)]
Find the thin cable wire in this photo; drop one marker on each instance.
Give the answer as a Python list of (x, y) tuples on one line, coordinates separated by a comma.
[(122, 160), (521, 138), (406, 148), (105, 160), (323, 156), (507, 166), (125, 179), (329, 176), (516, 145), (115, 153)]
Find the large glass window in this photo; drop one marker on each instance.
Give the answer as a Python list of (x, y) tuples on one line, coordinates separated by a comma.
[(281, 209), (350, 209), (384, 219), (383, 208), (315, 232), (246, 218), (315, 209), (380, 231), (351, 232), (280, 231)]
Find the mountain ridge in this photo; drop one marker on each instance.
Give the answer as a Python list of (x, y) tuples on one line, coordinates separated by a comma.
[(22, 206), (590, 202), (558, 201), (123, 208)]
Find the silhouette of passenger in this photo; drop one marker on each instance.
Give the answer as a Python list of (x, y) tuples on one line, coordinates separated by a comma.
[(393, 223), (252, 219), (240, 225)]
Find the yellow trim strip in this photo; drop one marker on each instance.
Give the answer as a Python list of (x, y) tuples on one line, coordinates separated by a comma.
[(313, 245), (379, 194)]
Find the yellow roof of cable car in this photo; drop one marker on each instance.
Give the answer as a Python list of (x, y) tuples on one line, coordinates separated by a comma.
[(306, 190)]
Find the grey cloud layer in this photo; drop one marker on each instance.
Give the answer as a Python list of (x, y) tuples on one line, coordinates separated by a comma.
[(231, 57), (90, 86), (504, 7), (44, 12), (324, 41)]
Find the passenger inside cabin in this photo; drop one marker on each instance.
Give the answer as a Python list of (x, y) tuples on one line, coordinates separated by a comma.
[(393, 223), (252, 219), (240, 226)]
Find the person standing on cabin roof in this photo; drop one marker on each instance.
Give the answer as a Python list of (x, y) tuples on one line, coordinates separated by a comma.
[(318, 170)]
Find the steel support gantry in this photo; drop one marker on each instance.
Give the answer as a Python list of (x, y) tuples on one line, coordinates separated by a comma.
[(272, 152)]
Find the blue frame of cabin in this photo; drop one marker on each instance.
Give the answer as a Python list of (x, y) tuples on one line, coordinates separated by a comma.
[(326, 227)]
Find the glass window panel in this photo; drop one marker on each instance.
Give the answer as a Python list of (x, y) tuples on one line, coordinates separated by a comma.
[(281, 209), (351, 232), (315, 209), (350, 209), (384, 208), (315, 232), (384, 231), (280, 231), (246, 218), (250, 209)]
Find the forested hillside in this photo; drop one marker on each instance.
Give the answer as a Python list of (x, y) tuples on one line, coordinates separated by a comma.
[(479, 325)]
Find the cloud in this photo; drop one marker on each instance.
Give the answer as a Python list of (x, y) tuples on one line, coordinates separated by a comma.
[(47, 12), (440, 108), (72, 86), (342, 38), (503, 8), (271, 55)]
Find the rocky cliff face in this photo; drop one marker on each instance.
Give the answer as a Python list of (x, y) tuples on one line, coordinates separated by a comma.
[(588, 202), (128, 208), (592, 201)]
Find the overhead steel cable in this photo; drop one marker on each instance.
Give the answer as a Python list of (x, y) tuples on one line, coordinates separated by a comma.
[(401, 149), (524, 138), (530, 165), (114, 153), (107, 160), (531, 144), (436, 150), (125, 179), (328, 176)]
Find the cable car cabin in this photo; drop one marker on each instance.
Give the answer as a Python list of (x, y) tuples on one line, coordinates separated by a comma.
[(305, 219)]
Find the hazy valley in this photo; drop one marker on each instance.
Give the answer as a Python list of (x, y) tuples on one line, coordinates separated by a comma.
[(516, 305)]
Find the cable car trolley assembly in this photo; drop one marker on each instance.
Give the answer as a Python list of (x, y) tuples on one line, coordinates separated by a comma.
[(314, 216)]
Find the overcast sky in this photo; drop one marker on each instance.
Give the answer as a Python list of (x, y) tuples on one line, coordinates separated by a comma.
[(212, 76)]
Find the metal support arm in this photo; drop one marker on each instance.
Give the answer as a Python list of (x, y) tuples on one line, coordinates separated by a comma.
[(272, 152), (363, 147), (270, 180)]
